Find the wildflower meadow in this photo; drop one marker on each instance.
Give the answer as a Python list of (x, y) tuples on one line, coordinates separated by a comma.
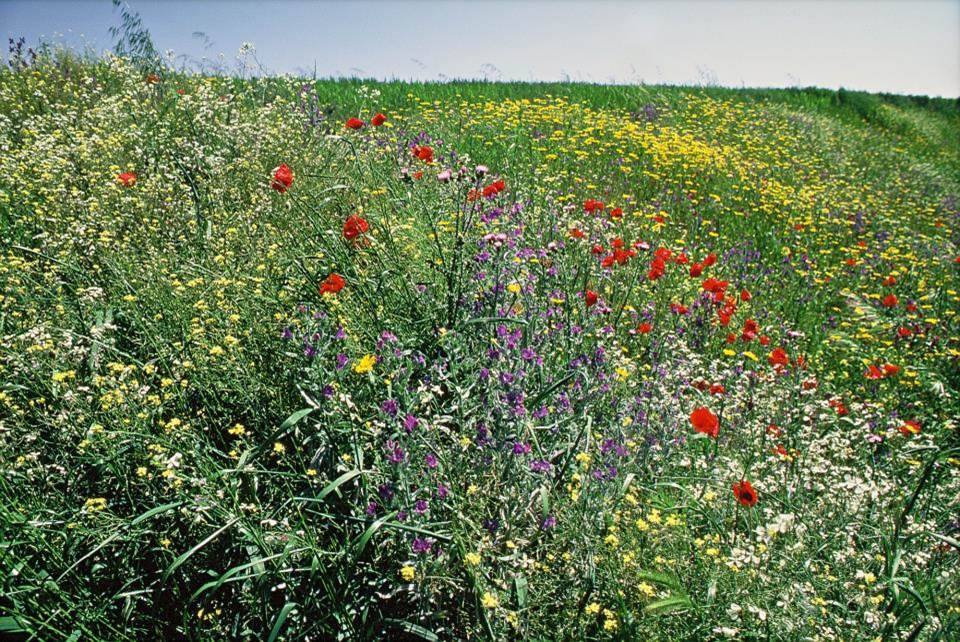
[(288, 359)]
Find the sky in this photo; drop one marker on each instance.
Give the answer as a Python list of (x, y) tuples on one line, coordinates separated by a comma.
[(907, 46)]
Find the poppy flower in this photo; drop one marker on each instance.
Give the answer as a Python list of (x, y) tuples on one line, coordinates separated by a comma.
[(332, 284), (778, 357), (590, 297), (494, 188), (745, 494), (590, 206), (354, 226), (873, 372), (710, 260), (890, 370), (904, 333), (911, 307), (890, 301), (750, 330), (909, 428), (127, 179), (657, 268), (764, 340), (378, 120), (696, 270), (424, 153), (616, 212), (353, 123), (717, 389), (577, 233), (705, 422), (889, 281), (282, 178), (644, 328), (679, 308), (745, 295), (714, 286)]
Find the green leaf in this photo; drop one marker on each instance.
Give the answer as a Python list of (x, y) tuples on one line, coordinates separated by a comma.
[(520, 586), (183, 558), (669, 605), (415, 629), (281, 618)]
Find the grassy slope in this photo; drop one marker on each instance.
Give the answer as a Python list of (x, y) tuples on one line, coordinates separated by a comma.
[(151, 486)]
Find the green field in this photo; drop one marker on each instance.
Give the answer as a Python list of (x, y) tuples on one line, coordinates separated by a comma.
[(516, 361)]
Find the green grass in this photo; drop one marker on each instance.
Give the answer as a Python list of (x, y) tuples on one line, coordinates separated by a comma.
[(196, 444)]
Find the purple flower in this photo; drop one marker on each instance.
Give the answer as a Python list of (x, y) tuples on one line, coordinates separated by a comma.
[(549, 522), (420, 506), (520, 448), (540, 466), (390, 407), (409, 423), (421, 545)]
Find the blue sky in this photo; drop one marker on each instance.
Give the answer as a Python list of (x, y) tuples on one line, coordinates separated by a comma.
[(902, 47)]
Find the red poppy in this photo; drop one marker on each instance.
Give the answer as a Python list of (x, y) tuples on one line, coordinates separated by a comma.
[(127, 179), (424, 153), (837, 404), (354, 226), (616, 212), (590, 206), (657, 268), (353, 123), (715, 286), (750, 330), (493, 188), (889, 281), (778, 357), (576, 233), (745, 494), (731, 337), (904, 333), (764, 340), (890, 370), (910, 428), (282, 178), (710, 260), (590, 297), (873, 372), (696, 270), (890, 301), (774, 430), (332, 284), (679, 308), (705, 422), (911, 307), (378, 120), (597, 249), (745, 295), (644, 328), (717, 389)]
